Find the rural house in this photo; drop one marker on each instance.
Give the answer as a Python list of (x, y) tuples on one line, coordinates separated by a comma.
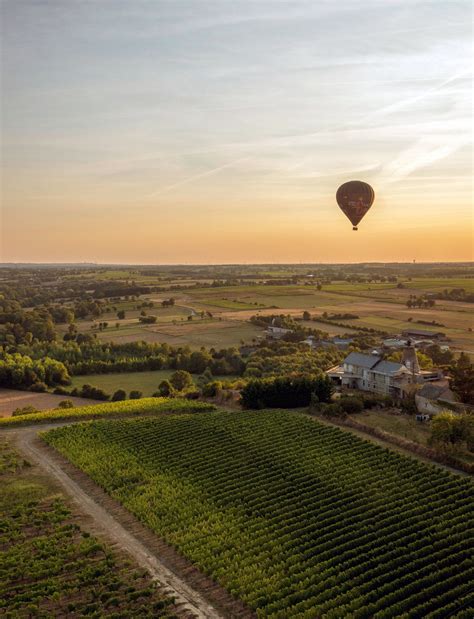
[(276, 333), (422, 334), (373, 373)]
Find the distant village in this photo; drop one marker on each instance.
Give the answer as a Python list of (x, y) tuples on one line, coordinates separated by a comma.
[(399, 379)]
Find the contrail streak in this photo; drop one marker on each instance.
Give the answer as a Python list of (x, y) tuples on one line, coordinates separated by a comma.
[(195, 177)]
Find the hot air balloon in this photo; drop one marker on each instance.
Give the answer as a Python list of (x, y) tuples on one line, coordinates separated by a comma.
[(354, 199)]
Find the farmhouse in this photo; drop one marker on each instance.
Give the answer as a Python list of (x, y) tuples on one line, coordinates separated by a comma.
[(421, 334), (276, 333), (373, 373)]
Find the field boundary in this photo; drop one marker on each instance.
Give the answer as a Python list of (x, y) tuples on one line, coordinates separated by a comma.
[(415, 449), (192, 589)]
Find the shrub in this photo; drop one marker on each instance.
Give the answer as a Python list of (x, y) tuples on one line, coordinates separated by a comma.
[(88, 391), (119, 395), (181, 380), (135, 394), (210, 390), (66, 404), (61, 391), (351, 405), (408, 405), (332, 410), (165, 389), (371, 400), (25, 410), (39, 387), (192, 395)]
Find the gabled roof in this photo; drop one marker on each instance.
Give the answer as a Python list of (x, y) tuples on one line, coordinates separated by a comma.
[(433, 392), (364, 361)]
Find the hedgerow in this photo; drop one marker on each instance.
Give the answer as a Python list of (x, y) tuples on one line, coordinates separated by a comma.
[(296, 518), (144, 406)]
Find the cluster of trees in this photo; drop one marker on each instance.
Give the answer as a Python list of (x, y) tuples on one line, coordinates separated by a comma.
[(179, 383), (422, 301), (147, 320), (284, 321), (439, 356), (95, 393), (297, 331), (344, 316), (456, 294), (87, 355), (350, 405), (278, 358), (450, 431), (22, 372), (462, 379), (18, 325), (286, 392)]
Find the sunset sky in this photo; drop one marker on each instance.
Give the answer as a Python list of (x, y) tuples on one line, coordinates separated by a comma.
[(187, 131)]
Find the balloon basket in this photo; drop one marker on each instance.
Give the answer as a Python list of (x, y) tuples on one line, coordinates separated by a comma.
[(355, 228)]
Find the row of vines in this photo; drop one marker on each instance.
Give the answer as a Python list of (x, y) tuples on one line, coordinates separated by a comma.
[(127, 408), (51, 567), (295, 518)]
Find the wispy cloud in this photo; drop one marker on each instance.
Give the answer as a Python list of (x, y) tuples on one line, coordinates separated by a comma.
[(422, 153), (194, 177)]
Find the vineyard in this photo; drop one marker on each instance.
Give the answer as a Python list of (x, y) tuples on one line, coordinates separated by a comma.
[(295, 518), (144, 406), (50, 567)]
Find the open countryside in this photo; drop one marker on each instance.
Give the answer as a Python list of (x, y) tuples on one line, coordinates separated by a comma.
[(236, 310), (379, 306)]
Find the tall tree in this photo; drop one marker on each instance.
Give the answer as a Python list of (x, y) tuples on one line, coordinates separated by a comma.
[(462, 379)]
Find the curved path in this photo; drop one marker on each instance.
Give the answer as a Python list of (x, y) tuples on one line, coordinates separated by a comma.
[(114, 522)]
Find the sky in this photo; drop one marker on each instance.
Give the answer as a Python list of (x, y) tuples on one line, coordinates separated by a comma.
[(188, 131)]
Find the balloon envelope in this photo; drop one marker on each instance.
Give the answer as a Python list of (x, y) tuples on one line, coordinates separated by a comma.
[(354, 199)]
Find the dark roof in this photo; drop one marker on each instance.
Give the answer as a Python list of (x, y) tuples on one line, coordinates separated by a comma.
[(364, 361), (388, 367), (422, 332), (432, 392)]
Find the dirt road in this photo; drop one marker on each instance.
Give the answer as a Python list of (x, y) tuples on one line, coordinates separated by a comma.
[(188, 599)]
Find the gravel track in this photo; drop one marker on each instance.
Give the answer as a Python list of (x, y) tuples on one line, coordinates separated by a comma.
[(196, 596)]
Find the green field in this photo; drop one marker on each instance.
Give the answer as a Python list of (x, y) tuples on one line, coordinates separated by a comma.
[(195, 334), (296, 518), (146, 382), (50, 567)]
